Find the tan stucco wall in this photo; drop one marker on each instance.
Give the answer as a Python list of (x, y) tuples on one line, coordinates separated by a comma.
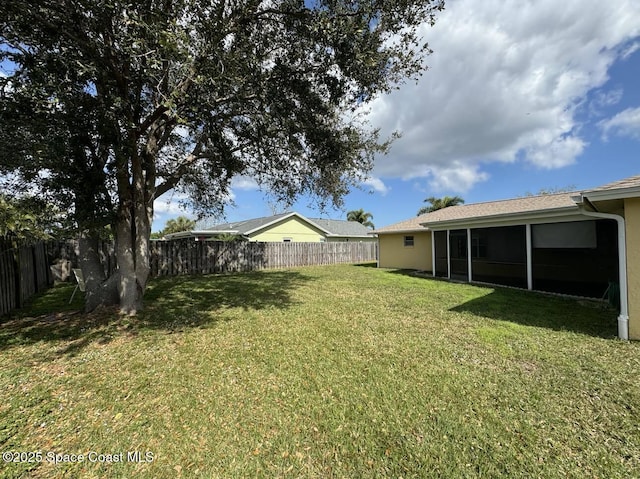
[(632, 219), (294, 228), (393, 254)]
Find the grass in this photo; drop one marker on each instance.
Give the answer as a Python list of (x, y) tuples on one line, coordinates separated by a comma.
[(340, 371)]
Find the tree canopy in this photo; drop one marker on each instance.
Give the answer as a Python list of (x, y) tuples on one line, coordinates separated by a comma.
[(439, 203), (29, 218), (552, 190), (107, 105), (361, 216)]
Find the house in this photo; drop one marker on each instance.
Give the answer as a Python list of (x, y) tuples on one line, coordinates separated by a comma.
[(286, 227), (585, 243)]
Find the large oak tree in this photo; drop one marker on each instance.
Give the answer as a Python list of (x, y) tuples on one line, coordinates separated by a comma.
[(106, 105)]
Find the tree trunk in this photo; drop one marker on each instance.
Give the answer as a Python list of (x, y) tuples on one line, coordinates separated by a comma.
[(100, 290), (133, 229)]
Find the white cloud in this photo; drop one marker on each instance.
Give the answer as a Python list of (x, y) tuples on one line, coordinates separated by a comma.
[(625, 123), (459, 177), (245, 183), (377, 185), (634, 47), (604, 99), (170, 203), (505, 82)]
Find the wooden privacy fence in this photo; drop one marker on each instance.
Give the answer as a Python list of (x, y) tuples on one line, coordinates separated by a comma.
[(24, 271), (171, 258)]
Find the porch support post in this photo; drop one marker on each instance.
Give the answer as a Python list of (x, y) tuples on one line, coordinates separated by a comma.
[(433, 252), (448, 255), (529, 258), (469, 269)]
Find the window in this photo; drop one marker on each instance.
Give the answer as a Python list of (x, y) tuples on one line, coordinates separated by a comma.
[(287, 240), (408, 240)]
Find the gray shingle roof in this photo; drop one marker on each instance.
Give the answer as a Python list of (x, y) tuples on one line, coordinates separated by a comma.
[(330, 227), (342, 227), (246, 226)]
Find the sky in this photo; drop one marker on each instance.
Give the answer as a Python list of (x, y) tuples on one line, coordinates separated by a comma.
[(519, 96)]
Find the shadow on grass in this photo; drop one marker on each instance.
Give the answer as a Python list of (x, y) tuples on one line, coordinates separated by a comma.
[(544, 311), (171, 304), (532, 308), (368, 264)]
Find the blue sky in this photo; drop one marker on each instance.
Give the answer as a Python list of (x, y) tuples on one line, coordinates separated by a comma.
[(520, 95)]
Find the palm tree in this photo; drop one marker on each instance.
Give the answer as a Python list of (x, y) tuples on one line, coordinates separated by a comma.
[(361, 216), (181, 223), (439, 203)]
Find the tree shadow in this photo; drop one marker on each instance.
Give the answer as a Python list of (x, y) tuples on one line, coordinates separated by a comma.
[(368, 264), (172, 304)]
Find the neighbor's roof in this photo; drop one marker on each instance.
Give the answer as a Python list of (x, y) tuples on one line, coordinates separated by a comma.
[(327, 226), (249, 226), (342, 227)]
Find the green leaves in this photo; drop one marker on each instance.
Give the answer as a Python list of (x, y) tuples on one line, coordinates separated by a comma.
[(26, 218), (361, 217), (439, 203)]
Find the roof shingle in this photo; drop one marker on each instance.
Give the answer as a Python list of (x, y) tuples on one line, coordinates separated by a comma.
[(332, 227), (631, 182), (511, 207), (527, 204)]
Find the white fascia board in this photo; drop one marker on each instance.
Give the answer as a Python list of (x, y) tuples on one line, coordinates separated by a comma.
[(349, 236), (213, 232), (549, 216), (424, 229), (618, 194), (186, 234), (178, 235)]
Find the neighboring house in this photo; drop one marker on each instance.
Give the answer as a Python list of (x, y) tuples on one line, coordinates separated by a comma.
[(583, 243), (286, 227)]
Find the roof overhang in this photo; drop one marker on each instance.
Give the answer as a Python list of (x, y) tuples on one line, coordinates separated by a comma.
[(197, 233), (350, 236), (422, 229), (613, 194), (556, 215)]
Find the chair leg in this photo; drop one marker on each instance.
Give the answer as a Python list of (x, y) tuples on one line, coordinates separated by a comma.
[(74, 293)]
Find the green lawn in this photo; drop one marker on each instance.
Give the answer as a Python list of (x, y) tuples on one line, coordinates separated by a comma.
[(340, 371)]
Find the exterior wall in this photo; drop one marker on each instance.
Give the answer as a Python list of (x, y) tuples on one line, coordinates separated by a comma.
[(293, 228), (632, 219), (394, 254)]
